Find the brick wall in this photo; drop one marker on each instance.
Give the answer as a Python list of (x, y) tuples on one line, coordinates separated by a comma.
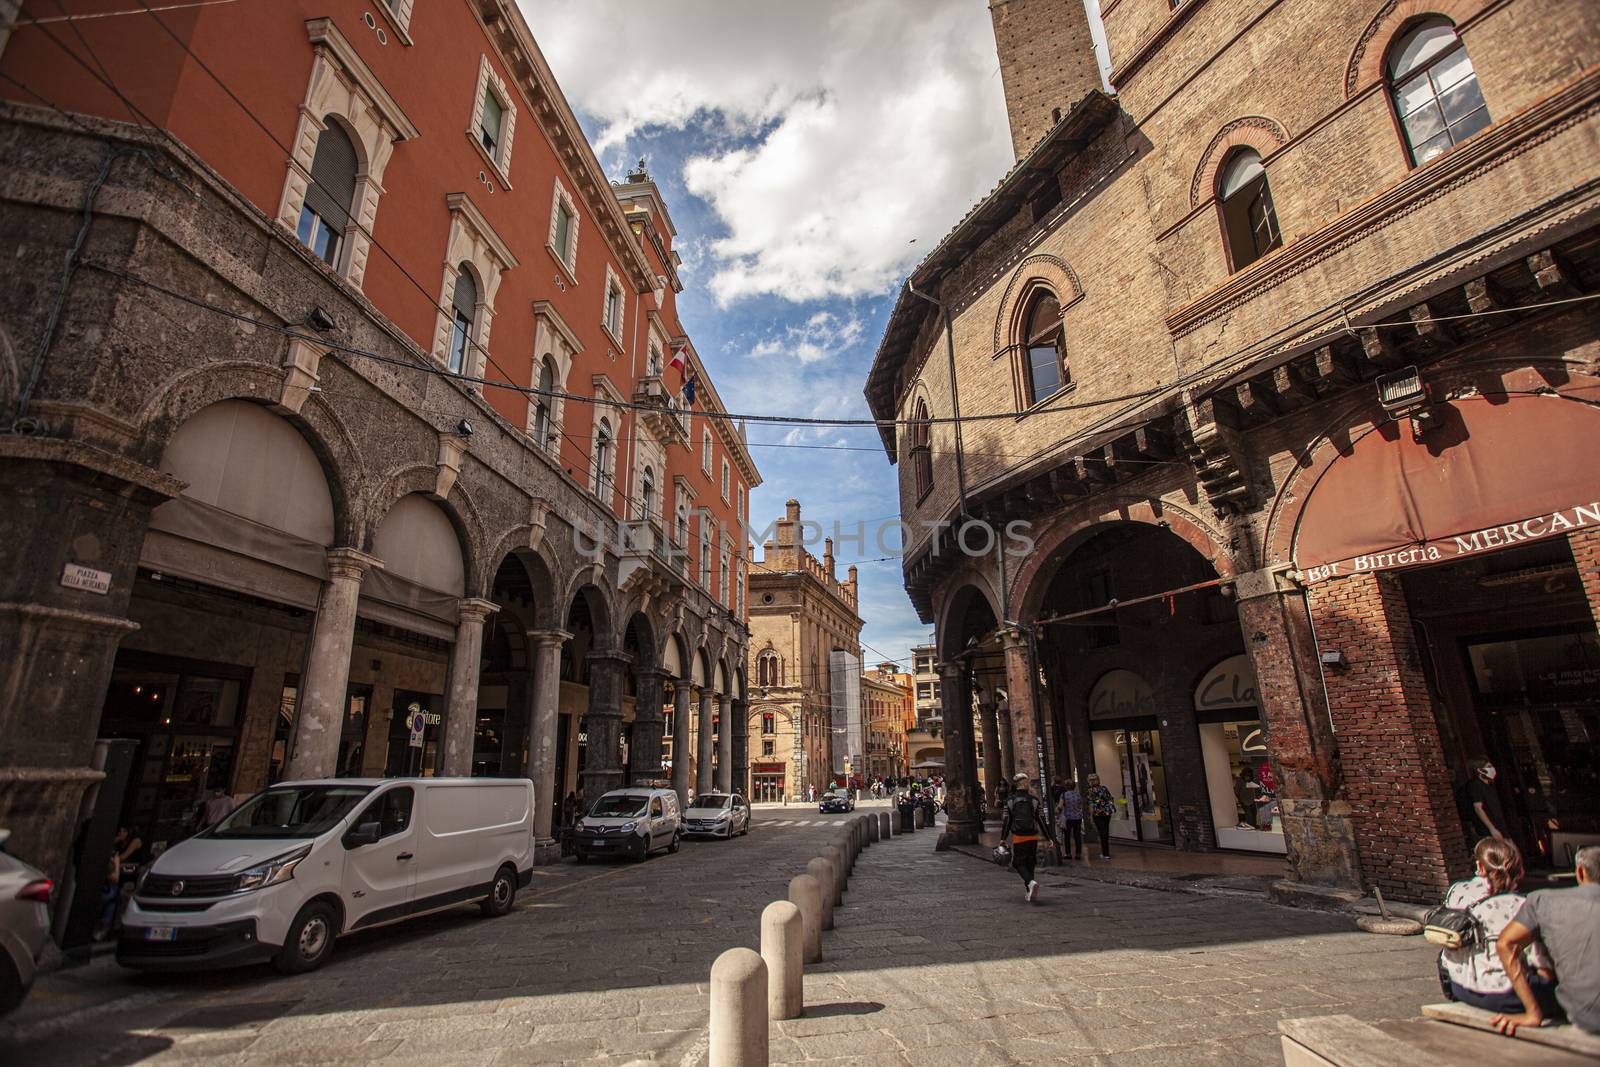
[(1046, 62), (1585, 546), (1394, 774)]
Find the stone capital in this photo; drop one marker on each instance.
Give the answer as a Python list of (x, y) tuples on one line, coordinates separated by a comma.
[(951, 670), (474, 609), (1273, 580), (351, 564), (610, 656), (1013, 637), (545, 638)]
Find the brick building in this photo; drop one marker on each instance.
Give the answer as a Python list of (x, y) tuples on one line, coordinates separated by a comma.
[(282, 503), (801, 617), (1302, 359), (889, 710)]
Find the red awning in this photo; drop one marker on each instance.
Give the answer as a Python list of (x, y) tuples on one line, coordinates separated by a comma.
[(1493, 471)]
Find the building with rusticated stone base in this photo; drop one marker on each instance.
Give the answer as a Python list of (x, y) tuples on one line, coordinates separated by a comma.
[(1249, 425), (276, 505)]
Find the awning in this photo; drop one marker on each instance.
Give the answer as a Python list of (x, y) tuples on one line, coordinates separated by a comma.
[(929, 765), (1493, 471)]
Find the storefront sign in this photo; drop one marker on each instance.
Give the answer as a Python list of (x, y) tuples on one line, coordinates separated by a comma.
[(1121, 694), (1230, 684), (77, 576), (1488, 539)]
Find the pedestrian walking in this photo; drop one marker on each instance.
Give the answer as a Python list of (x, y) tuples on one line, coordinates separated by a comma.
[(1102, 805), (1022, 825), (1069, 816)]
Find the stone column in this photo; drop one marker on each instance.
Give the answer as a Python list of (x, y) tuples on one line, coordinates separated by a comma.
[(319, 714), (960, 762), (741, 747), (725, 734), (702, 764), (1008, 765), (602, 770), (544, 711), (680, 739), (1023, 739), (646, 752), (992, 774), (461, 687)]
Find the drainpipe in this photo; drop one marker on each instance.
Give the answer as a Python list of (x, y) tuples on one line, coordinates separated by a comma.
[(955, 393)]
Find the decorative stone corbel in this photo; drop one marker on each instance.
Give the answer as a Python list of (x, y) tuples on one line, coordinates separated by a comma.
[(1217, 453), (300, 365), (538, 519), (451, 449)]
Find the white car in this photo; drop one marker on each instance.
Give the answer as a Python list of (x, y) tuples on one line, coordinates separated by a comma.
[(24, 925), (717, 815), (629, 822), (299, 865)]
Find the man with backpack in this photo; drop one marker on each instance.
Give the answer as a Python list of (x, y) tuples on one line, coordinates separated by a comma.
[(1022, 825)]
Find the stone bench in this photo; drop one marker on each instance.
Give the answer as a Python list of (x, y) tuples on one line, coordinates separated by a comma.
[(1343, 1041), (1566, 1037)]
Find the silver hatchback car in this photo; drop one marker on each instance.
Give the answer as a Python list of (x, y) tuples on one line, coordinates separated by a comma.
[(24, 925), (717, 815)]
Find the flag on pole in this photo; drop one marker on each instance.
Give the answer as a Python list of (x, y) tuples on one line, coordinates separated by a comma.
[(677, 362), (688, 390)]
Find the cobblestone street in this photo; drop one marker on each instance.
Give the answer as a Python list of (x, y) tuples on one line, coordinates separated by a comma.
[(936, 959)]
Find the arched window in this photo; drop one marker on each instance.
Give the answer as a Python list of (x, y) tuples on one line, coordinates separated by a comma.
[(544, 405), (705, 557), (1249, 225), (325, 215), (1434, 89), (683, 525), (921, 452), (767, 675), (647, 494), (463, 306), (1046, 348), (602, 457)]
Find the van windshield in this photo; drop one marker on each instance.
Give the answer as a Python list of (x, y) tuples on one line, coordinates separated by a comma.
[(624, 806), (291, 811)]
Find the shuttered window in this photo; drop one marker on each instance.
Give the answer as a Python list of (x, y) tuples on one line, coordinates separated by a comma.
[(325, 215), (463, 306)]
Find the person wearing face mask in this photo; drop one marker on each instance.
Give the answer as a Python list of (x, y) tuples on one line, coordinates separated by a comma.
[(1483, 801)]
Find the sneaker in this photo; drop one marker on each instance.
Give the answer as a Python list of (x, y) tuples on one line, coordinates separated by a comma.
[(1033, 891), (1105, 855)]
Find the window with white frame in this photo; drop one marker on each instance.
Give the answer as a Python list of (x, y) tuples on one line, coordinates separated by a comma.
[(722, 578), (611, 309), (647, 493), (705, 556), (726, 481), (563, 241), (544, 432), (463, 315), (653, 362), (682, 537), (466, 298), (494, 119), (325, 214), (604, 457), (739, 583), (705, 449)]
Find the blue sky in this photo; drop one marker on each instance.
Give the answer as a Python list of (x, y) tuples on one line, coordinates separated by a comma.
[(810, 153)]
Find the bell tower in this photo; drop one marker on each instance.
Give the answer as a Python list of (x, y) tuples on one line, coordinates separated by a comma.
[(1047, 63)]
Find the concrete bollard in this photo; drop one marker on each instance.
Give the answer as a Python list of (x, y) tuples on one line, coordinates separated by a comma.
[(872, 829), (782, 943), (805, 893), (821, 871), (841, 879), (885, 825), (739, 1010), (916, 818)]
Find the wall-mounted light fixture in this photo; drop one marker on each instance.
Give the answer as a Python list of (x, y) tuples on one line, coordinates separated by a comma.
[(1333, 658), (1403, 394)]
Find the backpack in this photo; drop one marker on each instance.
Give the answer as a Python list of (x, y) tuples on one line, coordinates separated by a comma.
[(1024, 816)]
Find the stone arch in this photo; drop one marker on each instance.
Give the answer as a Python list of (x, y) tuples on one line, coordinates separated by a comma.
[(1043, 269), (543, 580), (187, 394), (422, 478), (676, 648), (967, 596), (1032, 579), (1366, 58), (701, 670), (601, 609), (1263, 134), (645, 649), (1361, 414)]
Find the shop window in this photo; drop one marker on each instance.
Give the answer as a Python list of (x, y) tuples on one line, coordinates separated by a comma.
[(1434, 89), (325, 214), (1045, 349), (463, 310), (1249, 223)]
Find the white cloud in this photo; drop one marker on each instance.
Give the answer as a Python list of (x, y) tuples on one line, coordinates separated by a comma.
[(824, 335), (844, 129)]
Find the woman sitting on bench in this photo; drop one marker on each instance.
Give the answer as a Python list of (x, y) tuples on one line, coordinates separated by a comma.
[(1474, 971)]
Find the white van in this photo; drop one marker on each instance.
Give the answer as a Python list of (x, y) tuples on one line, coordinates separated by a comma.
[(632, 822), (302, 863)]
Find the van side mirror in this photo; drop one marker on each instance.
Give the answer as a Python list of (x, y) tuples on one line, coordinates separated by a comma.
[(365, 834)]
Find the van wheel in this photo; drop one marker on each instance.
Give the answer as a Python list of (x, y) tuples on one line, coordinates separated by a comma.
[(676, 837), (502, 893), (309, 941)]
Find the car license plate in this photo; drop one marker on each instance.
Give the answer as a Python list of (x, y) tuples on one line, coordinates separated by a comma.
[(159, 933), (601, 844)]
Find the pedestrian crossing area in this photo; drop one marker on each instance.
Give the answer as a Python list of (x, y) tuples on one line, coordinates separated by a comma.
[(760, 823)]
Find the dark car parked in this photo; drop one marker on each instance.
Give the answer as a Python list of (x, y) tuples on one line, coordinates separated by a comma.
[(835, 800)]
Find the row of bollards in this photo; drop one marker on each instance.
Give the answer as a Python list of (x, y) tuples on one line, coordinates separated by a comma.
[(749, 989)]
